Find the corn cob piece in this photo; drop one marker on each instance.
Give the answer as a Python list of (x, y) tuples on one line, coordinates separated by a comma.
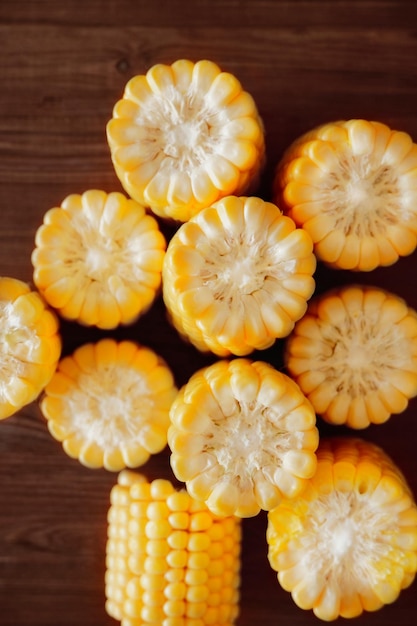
[(353, 186), (98, 259), (242, 437), (30, 345), (108, 403), (169, 561), (237, 276), (348, 544), (354, 355), (185, 135)]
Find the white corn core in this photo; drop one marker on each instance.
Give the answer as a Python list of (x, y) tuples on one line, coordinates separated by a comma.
[(17, 343)]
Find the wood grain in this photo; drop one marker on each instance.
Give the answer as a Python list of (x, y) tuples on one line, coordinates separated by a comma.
[(63, 65)]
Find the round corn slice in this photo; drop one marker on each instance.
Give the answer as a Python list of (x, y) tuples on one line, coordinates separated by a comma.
[(242, 436), (98, 259), (185, 135), (348, 544), (353, 186), (108, 403), (30, 345), (169, 561), (354, 355), (237, 276)]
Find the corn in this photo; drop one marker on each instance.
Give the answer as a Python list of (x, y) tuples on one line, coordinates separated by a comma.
[(108, 403), (185, 135), (353, 186), (169, 561), (30, 345), (354, 355), (98, 259), (237, 276), (242, 437), (349, 543)]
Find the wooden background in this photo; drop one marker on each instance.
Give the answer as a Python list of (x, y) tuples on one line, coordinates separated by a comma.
[(63, 65)]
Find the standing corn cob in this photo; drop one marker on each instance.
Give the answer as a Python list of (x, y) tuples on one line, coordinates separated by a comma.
[(354, 355), (98, 259), (353, 186), (170, 562), (183, 136), (237, 276), (349, 543), (109, 404), (242, 436), (30, 345)]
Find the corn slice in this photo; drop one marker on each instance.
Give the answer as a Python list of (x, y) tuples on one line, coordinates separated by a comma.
[(157, 574), (354, 355), (185, 135), (242, 435), (237, 276), (351, 546), (30, 345), (108, 403), (98, 259), (352, 186)]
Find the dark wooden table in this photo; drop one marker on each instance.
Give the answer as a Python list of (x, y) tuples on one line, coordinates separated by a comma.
[(62, 67)]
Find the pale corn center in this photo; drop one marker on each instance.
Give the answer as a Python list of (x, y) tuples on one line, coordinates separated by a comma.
[(108, 407), (17, 343), (343, 539), (358, 354), (361, 196)]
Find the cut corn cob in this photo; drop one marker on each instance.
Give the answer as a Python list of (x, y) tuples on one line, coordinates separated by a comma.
[(98, 259), (108, 404), (30, 345), (354, 355), (353, 186), (242, 436), (183, 136), (169, 561), (349, 543), (237, 276)]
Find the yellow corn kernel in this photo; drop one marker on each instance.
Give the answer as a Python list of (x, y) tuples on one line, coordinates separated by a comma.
[(237, 276), (183, 136), (361, 344), (30, 345), (108, 412), (352, 546), (172, 586), (353, 186), (98, 259), (256, 442)]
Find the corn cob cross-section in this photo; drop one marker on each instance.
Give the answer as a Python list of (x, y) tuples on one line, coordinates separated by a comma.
[(30, 345), (242, 436), (348, 544), (185, 135), (354, 355), (353, 186), (108, 403), (98, 259), (169, 561), (237, 276)]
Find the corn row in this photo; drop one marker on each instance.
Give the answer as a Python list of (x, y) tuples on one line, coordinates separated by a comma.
[(169, 561), (30, 345), (349, 542)]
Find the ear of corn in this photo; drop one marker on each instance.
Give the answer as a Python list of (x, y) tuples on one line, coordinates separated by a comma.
[(108, 403), (349, 542), (183, 136), (237, 276), (30, 345), (169, 561), (98, 259), (242, 436), (353, 186), (354, 355)]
